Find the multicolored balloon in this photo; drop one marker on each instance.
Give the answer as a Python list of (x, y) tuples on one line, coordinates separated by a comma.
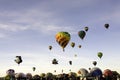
[(82, 34), (63, 39), (106, 26), (72, 44), (83, 72), (10, 72), (18, 59), (54, 61), (100, 54)]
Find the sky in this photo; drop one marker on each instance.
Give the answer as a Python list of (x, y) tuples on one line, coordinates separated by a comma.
[(28, 28)]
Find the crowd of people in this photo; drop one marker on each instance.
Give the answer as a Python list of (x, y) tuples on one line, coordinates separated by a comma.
[(82, 74)]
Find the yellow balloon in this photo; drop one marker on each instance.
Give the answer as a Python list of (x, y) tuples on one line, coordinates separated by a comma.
[(62, 39)]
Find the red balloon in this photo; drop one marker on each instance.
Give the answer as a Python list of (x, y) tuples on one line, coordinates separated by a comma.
[(107, 73)]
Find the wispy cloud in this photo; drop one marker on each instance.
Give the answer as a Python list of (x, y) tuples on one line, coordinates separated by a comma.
[(12, 27), (46, 19)]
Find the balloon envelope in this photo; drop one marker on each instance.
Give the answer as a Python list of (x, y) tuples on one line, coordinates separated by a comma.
[(49, 75), (28, 76), (79, 46), (81, 34), (107, 72), (106, 26), (18, 59), (54, 61), (34, 68), (86, 28), (70, 62), (10, 72), (94, 63), (63, 39), (95, 72), (75, 55), (36, 77), (83, 72), (72, 44), (100, 54), (50, 47), (20, 75)]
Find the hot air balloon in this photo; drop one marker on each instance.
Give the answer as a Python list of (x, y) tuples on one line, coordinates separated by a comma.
[(95, 72), (75, 55), (70, 62), (72, 75), (72, 44), (50, 47), (106, 26), (79, 46), (33, 68), (49, 76), (100, 54), (81, 34), (62, 70), (7, 77), (94, 63), (42, 75), (63, 39), (36, 77), (18, 60), (10, 74), (107, 72), (28, 76), (83, 73), (55, 71), (20, 76), (89, 68), (54, 61), (86, 29)]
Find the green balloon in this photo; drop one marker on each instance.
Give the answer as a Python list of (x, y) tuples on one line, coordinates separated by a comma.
[(33, 68), (81, 34), (100, 54)]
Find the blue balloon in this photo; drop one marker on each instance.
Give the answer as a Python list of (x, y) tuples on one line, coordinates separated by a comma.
[(95, 72)]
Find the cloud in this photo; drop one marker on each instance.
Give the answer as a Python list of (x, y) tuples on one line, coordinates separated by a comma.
[(12, 27), (51, 18), (45, 19)]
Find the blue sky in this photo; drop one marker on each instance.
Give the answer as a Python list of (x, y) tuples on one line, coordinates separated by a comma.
[(28, 27)]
